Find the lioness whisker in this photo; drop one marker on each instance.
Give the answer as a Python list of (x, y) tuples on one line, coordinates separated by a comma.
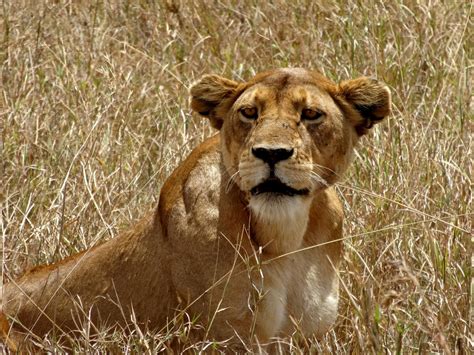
[(316, 177), (231, 181)]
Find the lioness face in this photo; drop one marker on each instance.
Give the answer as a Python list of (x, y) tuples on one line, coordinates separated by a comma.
[(288, 133), (286, 138)]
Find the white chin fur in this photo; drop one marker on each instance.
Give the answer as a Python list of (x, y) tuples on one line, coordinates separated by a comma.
[(280, 221)]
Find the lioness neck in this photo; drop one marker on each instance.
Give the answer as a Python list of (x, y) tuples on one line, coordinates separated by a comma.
[(280, 224)]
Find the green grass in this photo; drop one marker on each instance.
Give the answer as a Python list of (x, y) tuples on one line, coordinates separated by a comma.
[(94, 116)]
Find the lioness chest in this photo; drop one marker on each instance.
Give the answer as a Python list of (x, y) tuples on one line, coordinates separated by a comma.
[(312, 293)]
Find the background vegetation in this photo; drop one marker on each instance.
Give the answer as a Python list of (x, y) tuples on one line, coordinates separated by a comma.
[(94, 116)]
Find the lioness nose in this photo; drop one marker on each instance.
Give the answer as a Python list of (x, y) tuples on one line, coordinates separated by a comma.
[(272, 155)]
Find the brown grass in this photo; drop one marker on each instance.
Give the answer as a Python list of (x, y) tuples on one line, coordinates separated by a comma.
[(94, 116)]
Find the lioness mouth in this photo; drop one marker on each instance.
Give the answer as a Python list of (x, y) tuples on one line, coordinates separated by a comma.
[(274, 185)]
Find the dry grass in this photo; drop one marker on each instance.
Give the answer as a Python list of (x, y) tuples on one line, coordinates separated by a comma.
[(94, 116)]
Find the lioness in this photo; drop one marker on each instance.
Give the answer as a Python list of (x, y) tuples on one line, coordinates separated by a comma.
[(246, 237)]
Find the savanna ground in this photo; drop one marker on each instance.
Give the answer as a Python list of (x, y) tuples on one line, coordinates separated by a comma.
[(94, 116)]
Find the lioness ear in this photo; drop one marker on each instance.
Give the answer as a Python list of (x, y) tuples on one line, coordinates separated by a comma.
[(208, 93), (370, 98)]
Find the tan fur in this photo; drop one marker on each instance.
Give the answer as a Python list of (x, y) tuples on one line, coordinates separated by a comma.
[(249, 266)]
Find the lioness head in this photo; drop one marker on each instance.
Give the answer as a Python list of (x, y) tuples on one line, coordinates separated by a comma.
[(288, 133)]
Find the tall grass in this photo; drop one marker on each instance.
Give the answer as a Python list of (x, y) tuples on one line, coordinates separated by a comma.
[(94, 116)]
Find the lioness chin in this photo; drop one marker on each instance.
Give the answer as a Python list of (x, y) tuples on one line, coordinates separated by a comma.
[(246, 237)]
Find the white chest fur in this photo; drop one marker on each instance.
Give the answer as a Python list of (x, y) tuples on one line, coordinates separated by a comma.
[(299, 290), (298, 286), (312, 296)]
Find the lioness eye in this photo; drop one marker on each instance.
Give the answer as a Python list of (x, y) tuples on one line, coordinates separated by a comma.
[(311, 115), (249, 112)]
